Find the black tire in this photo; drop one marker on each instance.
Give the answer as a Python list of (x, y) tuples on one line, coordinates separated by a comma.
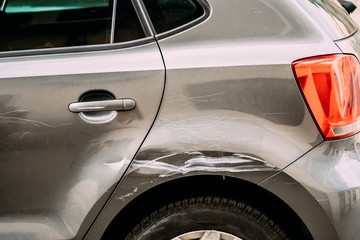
[(206, 213)]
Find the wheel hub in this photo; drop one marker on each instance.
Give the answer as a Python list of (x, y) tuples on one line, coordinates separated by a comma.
[(206, 235)]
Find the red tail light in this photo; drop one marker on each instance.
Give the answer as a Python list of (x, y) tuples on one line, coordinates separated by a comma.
[(330, 85)]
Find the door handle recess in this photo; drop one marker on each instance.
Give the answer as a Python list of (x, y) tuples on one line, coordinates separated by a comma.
[(124, 104)]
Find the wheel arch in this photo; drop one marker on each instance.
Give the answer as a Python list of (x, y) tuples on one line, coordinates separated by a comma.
[(203, 185)]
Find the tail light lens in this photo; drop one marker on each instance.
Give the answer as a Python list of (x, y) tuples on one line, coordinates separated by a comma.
[(330, 86)]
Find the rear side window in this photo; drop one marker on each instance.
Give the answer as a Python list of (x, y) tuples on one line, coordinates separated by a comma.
[(37, 24), (169, 14)]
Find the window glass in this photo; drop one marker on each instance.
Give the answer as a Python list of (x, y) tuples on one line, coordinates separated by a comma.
[(34, 24), (18, 6), (168, 14), (127, 25)]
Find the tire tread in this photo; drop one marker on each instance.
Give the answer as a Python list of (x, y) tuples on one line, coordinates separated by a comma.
[(221, 203)]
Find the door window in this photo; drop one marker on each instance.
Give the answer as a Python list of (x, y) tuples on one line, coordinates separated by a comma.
[(22, 6), (37, 24)]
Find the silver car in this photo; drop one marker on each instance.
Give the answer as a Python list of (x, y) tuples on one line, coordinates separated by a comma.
[(179, 119)]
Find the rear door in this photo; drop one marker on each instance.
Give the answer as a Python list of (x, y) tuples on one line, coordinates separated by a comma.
[(80, 86)]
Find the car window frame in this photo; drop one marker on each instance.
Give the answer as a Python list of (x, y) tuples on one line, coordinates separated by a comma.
[(145, 21)]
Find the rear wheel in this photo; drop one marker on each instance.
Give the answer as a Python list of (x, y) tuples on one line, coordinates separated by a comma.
[(206, 218)]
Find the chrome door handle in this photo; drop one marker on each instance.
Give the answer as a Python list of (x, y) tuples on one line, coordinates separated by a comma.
[(124, 104)]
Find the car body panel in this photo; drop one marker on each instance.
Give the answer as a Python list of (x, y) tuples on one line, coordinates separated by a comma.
[(331, 17), (54, 165), (231, 107), (234, 93), (350, 45), (308, 208), (149, 171), (330, 172)]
